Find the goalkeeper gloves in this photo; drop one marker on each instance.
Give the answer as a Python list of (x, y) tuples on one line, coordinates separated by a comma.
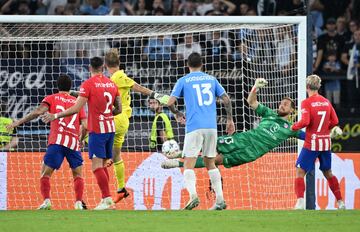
[(260, 82), (336, 131), (162, 98)]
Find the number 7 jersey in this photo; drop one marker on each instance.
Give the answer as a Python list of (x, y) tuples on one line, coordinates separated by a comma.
[(64, 131), (101, 93), (319, 117)]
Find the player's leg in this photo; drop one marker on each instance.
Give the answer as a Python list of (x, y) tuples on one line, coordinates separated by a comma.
[(52, 160), (76, 163), (192, 146), (325, 167), (121, 127), (209, 154), (304, 164), (98, 154)]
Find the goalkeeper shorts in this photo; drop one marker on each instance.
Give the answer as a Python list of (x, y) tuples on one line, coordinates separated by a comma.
[(55, 155), (100, 145)]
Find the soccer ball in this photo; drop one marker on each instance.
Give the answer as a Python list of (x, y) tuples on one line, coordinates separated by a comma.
[(170, 148)]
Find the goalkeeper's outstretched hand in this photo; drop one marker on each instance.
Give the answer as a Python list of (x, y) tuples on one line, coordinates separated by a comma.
[(260, 82), (336, 131), (162, 98)]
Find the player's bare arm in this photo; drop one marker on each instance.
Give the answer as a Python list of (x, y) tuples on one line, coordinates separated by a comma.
[(83, 130), (80, 102), (179, 116), (117, 106), (252, 98), (41, 109), (230, 126), (141, 89)]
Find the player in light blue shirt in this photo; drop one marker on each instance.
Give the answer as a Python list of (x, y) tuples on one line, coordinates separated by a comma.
[(200, 91)]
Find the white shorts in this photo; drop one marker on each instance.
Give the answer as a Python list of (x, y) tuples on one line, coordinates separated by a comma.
[(201, 139)]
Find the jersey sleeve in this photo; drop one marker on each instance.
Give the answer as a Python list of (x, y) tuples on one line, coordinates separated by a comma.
[(85, 89), (47, 101), (264, 111), (122, 80), (334, 120), (219, 89), (178, 89), (305, 117)]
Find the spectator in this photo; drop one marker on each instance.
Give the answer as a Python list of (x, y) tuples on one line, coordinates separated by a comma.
[(244, 8), (204, 7), (353, 26), (95, 7), (316, 9), (159, 48), (119, 7), (59, 10), (175, 7), (69, 49), (51, 5), (140, 8), (328, 42), (188, 7), (341, 28), (285, 50), (251, 12), (183, 50), (156, 6), (158, 11), (291, 7), (7, 141), (221, 7), (332, 69), (218, 46), (20, 7), (266, 7)]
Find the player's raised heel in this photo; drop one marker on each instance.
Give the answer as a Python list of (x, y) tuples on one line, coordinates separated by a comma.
[(341, 205), (300, 204), (46, 205), (78, 205), (192, 204), (171, 163), (106, 203), (121, 194), (219, 206)]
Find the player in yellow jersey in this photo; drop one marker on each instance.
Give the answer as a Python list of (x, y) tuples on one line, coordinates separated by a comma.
[(124, 84)]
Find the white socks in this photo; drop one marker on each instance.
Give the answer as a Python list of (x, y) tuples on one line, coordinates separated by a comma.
[(190, 182), (215, 178)]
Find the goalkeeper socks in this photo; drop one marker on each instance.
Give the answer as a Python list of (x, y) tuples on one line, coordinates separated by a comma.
[(119, 168), (79, 188), (107, 173), (335, 188), (190, 182), (45, 187), (102, 181), (215, 178), (299, 187), (199, 163)]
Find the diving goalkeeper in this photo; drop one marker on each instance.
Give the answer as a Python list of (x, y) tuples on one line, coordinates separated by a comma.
[(245, 147)]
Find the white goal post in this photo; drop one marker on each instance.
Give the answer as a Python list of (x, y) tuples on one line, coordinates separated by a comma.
[(35, 49)]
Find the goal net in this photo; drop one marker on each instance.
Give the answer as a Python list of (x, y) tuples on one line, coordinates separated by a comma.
[(32, 55)]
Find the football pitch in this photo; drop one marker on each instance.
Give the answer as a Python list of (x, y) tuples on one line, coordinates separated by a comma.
[(184, 221)]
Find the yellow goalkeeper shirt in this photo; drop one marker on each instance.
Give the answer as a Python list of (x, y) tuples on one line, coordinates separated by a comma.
[(124, 84)]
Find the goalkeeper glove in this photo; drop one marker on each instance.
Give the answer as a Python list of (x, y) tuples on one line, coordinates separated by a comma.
[(336, 131), (162, 98), (260, 82)]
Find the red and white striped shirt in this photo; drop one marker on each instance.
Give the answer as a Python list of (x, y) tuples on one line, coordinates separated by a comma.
[(64, 131), (319, 117), (101, 93)]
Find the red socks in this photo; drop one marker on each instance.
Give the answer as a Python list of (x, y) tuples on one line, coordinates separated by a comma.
[(79, 188), (299, 187), (45, 187), (335, 188), (102, 181), (106, 173)]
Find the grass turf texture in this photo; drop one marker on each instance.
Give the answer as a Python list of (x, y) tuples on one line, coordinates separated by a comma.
[(172, 221)]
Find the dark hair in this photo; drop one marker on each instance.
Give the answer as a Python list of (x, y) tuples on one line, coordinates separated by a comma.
[(194, 60), (96, 63), (291, 101), (64, 83)]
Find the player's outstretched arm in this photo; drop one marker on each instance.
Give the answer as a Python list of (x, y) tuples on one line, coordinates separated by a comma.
[(230, 126), (252, 98), (179, 116), (141, 89), (305, 118), (41, 109), (80, 102)]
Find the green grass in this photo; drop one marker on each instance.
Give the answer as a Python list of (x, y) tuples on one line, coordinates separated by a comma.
[(184, 221)]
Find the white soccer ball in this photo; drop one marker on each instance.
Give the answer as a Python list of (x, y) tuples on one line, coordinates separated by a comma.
[(170, 147)]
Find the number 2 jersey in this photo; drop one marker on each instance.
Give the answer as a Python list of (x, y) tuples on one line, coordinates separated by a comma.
[(319, 117), (64, 131), (101, 93)]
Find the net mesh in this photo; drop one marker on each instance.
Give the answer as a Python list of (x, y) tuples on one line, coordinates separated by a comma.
[(154, 55)]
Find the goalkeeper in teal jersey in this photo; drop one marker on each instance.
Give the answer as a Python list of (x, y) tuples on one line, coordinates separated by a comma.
[(244, 147)]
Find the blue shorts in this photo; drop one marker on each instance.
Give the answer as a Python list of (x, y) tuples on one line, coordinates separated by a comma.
[(100, 145), (55, 155), (307, 159)]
